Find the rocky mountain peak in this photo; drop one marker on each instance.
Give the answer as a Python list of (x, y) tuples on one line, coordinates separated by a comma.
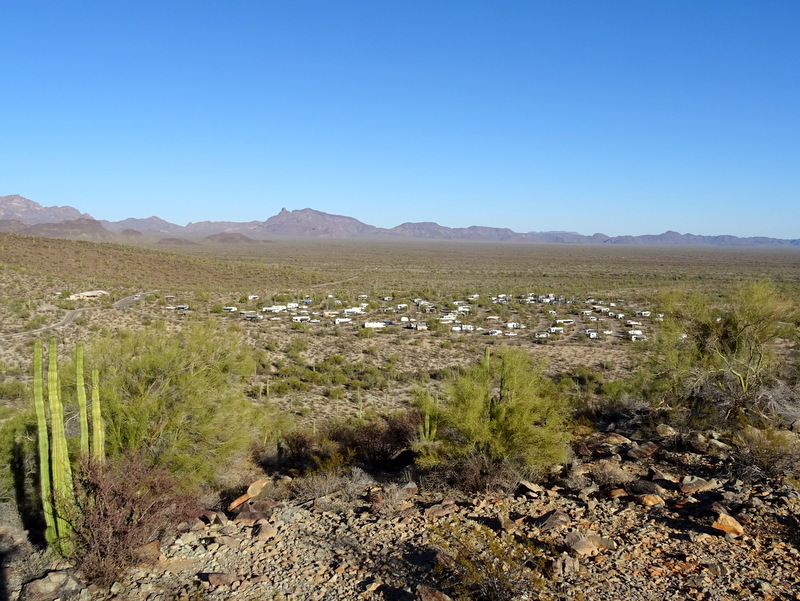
[(27, 211)]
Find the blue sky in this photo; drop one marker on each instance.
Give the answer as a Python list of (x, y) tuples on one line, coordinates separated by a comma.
[(613, 117)]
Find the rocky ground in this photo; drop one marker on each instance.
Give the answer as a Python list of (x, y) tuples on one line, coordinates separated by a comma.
[(627, 519)]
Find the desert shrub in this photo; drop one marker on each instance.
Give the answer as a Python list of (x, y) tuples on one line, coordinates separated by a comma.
[(13, 390), (295, 347), (36, 322), (376, 441), (765, 452), (480, 565), (17, 456), (504, 410), (719, 352), (180, 398), (121, 505), (335, 480), (298, 447), (335, 393)]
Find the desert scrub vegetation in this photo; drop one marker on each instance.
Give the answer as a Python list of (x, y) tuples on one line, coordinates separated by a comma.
[(714, 360), (481, 565), (95, 513), (180, 399), (501, 413), (120, 506)]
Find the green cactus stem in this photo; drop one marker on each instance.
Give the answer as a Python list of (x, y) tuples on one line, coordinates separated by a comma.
[(80, 390), (61, 470), (51, 534), (98, 427)]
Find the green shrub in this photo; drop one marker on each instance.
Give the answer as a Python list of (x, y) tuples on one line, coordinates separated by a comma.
[(180, 398), (504, 410)]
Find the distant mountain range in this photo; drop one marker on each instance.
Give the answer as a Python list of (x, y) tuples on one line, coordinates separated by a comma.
[(24, 216)]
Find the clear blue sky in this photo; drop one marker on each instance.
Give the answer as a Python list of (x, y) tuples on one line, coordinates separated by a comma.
[(598, 116)]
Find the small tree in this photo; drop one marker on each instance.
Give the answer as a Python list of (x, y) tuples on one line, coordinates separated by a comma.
[(504, 411), (179, 398)]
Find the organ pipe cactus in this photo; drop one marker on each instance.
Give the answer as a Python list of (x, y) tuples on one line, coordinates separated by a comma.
[(98, 427), (427, 429), (51, 535), (58, 497), (80, 389), (60, 468)]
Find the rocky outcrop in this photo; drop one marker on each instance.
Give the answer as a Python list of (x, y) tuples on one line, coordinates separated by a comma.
[(678, 527)]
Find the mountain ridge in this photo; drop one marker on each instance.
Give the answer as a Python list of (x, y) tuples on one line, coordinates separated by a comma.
[(21, 215)]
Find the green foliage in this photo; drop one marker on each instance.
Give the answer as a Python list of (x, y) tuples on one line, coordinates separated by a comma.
[(37, 322), (504, 410), (179, 398), (719, 352), (55, 468)]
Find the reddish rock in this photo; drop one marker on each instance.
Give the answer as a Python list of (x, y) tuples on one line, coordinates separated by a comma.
[(239, 501), (256, 487), (729, 525), (265, 532), (52, 586), (426, 593), (248, 517), (613, 439), (213, 517), (553, 520), (692, 484), (643, 451), (149, 552), (580, 544), (440, 510), (650, 500)]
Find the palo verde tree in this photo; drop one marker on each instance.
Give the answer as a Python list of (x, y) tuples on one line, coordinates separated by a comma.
[(503, 410), (179, 398)]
